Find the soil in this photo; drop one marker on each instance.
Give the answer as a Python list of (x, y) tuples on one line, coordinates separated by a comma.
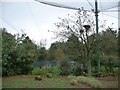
[(109, 82)]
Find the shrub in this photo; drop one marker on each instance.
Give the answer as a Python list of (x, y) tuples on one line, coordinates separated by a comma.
[(49, 75), (71, 77), (82, 79), (94, 70), (73, 82), (65, 68), (38, 78), (77, 71), (43, 72), (38, 71), (102, 69), (107, 69), (115, 70), (55, 71), (65, 72)]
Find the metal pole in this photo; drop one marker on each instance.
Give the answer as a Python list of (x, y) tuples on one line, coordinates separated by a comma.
[(97, 44)]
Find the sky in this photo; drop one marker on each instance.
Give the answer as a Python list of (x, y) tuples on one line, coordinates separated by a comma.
[(36, 19)]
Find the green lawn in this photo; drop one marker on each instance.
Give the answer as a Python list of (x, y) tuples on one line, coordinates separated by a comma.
[(56, 82), (24, 82)]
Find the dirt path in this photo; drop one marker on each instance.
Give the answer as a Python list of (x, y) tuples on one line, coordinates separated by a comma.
[(109, 82)]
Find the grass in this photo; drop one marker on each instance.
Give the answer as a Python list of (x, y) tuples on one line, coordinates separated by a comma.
[(14, 82), (27, 81)]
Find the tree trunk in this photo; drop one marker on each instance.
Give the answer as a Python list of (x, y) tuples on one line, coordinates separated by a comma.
[(89, 68)]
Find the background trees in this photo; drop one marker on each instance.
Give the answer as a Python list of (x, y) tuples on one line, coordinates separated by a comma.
[(78, 33), (77, 45), (18, 53), (8, 52), (109, 48), (74, 29)]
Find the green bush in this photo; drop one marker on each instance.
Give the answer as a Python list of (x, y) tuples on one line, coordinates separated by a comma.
[(94, 70), (115, 70), (38, 78), (102, 69), (77, 71), (38, 71), (49, 75), (107, 69), (55, 71)]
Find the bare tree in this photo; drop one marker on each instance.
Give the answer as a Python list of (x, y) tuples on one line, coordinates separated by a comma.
[(81, 25)]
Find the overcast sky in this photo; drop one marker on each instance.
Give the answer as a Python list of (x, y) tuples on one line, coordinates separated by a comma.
[(36, 19)]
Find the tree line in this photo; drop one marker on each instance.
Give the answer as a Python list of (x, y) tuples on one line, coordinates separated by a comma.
[(77, 42)]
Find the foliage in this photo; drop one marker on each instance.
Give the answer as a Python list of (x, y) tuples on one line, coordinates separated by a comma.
[(77, 43), (80, 40), (8, 52), (18, 53), (115, 70), (38, 71), (65, 68), (55, 71), (49, 75), (78, 34), (73, 45), (42, 53), (102, 69), (109, 53), (94, 69), (74, 49), (78, 71), (38, 78)]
